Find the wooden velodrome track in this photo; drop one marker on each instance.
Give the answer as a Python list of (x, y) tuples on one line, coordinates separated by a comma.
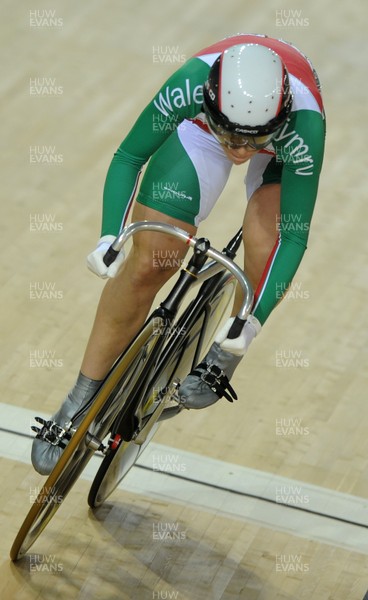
[(74, 78)]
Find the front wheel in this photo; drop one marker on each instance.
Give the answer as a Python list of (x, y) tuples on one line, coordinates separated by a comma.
[(97, 421)]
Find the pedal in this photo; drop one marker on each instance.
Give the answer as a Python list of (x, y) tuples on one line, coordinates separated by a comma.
[(52, 433)]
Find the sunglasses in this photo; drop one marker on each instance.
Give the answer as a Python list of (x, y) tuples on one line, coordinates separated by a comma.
[(236, 140)]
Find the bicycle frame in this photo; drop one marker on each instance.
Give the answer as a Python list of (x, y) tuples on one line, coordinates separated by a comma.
[(195, 274)]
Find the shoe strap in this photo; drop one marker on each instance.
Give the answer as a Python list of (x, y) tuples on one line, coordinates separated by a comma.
[(216, 379)]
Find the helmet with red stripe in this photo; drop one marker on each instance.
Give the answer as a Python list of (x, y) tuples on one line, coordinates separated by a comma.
[(247, 96)]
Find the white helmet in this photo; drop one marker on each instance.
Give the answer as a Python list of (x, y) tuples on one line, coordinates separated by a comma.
[(247, 95)]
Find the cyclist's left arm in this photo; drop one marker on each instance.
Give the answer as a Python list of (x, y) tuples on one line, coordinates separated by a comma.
[(300, 146)]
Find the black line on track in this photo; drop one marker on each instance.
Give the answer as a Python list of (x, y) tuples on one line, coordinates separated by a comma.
[(256, 497), (18, 433), (229, 490)]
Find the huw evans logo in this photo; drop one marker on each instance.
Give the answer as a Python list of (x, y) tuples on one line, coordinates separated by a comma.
[(167, 532), (44, 222), (44, 290), (291, 563), (167, 259), (165, 190), (169, 463), (291, 222), (165, 595), (291, 358), (44, 18), (290, 426), (45, 86), (167, 54), (161, 123), (44, 155), (294, 291), (291, 494), (44, 358), (291, 18), (44, 563)]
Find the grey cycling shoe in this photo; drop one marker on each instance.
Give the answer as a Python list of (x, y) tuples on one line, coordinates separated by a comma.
[(209, 381), (44, 455)]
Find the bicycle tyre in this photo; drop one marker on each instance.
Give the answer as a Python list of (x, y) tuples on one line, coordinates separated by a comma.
[(77, 454), (123, 459), (112, 469)]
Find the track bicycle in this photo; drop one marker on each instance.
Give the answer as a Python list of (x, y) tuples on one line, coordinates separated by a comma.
[(143, 386)]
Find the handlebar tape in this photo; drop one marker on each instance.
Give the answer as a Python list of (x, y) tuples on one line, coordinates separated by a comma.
[(110, 256), (236, 328)]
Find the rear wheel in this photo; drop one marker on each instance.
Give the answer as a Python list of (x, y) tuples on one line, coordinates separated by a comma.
[(115, 466)]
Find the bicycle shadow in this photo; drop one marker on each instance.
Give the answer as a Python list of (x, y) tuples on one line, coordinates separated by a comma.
[(185, 560), (134, 550)]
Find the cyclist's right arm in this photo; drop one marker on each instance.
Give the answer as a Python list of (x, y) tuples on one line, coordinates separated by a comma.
[(180, 97)]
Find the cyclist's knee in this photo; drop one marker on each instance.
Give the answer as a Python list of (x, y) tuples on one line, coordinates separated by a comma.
[(153, 268)]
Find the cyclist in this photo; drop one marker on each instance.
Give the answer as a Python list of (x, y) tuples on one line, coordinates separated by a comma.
[(246, 98)]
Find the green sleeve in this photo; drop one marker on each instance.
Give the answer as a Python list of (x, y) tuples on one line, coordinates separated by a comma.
[(179, 98), (299, 146)]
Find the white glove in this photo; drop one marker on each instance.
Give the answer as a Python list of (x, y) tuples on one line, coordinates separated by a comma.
[(239, 345), (95, 261)]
